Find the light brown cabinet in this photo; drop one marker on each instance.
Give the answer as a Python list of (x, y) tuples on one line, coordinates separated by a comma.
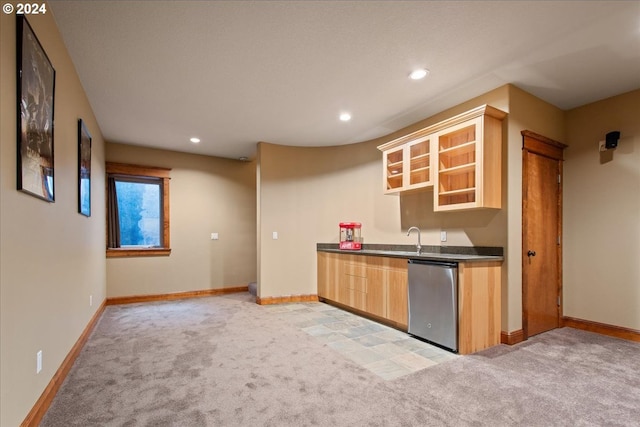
[(408, 166), (377, 286), (393, 165), (459, 158), (468, 162), (479, 309), (328, 274), (352, 282), (389, 294), (372, 285)]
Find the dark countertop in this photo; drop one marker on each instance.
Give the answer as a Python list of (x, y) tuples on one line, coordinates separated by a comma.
[(433, 253)]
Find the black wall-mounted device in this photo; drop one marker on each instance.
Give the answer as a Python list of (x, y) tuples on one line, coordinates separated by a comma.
[(611, 140)]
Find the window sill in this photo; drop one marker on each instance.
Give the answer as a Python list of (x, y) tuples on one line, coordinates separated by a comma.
[(123, 253)]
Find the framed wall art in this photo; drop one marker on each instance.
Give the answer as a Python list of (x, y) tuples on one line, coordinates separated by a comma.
[(84, 169), (36, 89)]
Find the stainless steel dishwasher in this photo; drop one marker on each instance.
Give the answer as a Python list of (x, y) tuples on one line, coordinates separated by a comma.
[(433, 302)]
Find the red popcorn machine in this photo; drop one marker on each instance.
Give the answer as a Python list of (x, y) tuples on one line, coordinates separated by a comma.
[(350, 237)]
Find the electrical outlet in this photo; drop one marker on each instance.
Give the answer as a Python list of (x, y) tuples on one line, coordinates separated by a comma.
[(38, 362), (443, 236), (90, 300)]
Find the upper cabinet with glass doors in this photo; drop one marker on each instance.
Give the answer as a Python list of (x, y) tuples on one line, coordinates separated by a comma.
[(460, 158), (407, 166)]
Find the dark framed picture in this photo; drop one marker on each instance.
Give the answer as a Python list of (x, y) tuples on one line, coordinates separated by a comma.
[(84, 169), (36, 88)]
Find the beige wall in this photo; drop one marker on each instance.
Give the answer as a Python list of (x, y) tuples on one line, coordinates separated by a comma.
[(485, 227), (526, 113), (51, 258), (305, 192), (602, 214), (207, 195)]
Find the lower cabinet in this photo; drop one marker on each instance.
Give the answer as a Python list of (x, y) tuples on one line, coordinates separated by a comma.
[(389, 275), (374, 285), (479, 310), (377, 286), (328, 275), (352, 283)]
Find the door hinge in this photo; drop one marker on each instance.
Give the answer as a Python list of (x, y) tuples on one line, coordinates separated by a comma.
[(559, 179), (558, 301), (558, 240)]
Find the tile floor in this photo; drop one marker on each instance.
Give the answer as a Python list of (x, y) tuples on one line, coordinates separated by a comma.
[(385, 351)]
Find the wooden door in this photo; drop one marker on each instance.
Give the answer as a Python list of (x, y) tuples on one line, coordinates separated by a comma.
[(541, 234)]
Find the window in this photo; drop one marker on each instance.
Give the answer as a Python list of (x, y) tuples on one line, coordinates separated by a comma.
[(137, 210)]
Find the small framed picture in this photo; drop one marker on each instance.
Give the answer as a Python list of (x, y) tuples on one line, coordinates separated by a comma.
[(36, 79), (84, 169)]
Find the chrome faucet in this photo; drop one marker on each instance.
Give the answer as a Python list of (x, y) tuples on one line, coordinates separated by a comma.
[(418, 246)]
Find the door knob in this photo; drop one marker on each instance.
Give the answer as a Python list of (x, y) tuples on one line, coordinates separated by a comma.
[(531, 253)]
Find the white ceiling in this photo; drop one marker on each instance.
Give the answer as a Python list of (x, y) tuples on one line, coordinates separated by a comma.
[(237, 72)]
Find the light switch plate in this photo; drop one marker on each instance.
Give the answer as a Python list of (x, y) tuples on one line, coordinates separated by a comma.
[(274, 235), (214, 236), (443, 236)]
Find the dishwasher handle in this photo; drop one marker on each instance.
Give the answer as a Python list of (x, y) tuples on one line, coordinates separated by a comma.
[(445, 264)]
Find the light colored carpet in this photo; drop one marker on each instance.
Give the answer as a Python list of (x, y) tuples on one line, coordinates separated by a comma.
[(225, 361)]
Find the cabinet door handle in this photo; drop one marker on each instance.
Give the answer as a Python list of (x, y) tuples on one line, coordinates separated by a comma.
[(531, 253)]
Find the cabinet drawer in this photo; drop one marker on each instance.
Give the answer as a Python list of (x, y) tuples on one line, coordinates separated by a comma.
[(356, 283), (356, 269), (352, 298)]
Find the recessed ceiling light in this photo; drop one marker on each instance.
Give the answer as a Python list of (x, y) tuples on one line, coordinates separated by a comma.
[(345, 117), (195, 140), (419, 74)]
